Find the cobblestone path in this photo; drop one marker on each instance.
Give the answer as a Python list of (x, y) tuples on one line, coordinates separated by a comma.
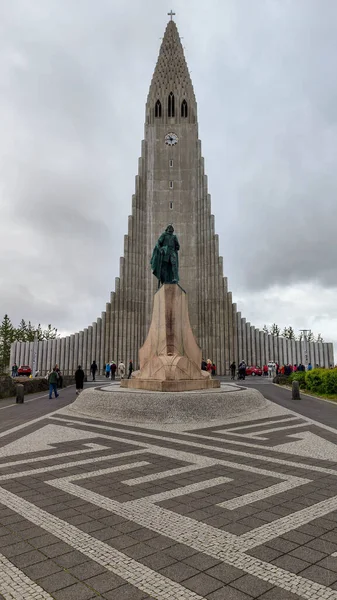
[(234, 511)]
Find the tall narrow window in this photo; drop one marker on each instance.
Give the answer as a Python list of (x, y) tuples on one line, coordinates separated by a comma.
[(171, 185), (171, 162), (170, 111), (157, 109), (171, 205), (184, 108)]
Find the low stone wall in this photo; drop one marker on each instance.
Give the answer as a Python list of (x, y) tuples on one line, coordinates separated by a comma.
[(31, 386)]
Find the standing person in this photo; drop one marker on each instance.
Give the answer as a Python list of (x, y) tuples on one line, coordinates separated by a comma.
[(233, 369), (203, 365), (107, 370), (209, 366), (113, 370), (93, 370), (130, 368), (14, 370), (52, 380), (59, 377), (271, 368), (213, 369), (265, 370), (79, 379), (242, 370), (121, 369)]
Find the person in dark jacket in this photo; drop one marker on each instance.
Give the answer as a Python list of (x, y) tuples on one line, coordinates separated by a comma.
[(93, 369), (233, 369), (130, 369), (113, 370), (79, 379)]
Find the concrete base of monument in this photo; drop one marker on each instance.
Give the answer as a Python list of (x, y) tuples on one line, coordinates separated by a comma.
[(170, 358), (182, 385), (164, 409)]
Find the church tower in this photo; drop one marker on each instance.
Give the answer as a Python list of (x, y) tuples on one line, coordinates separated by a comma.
[(171, 187)]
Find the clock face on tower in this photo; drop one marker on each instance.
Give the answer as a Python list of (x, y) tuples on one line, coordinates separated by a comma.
[(171, 139)]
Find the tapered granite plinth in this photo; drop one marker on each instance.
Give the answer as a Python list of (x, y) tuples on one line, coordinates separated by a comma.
[(170, 358)]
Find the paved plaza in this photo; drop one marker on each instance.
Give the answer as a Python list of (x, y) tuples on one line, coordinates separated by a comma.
[(234, 510)]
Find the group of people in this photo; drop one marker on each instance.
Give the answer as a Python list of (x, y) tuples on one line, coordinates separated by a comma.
[(269, 370), (208, 365), (111, 369)]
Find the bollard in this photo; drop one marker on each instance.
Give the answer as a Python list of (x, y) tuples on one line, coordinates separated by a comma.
[(20, 393), (295, 389)]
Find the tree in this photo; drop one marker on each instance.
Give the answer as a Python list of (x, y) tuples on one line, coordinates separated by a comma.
[(6, 338), (310, 337), (319, 338), (265, 329), (289, 333), (23, 333), (275, 330)]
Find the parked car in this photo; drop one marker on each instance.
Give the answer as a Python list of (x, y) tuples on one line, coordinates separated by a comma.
[(24, 370), (253, 371)]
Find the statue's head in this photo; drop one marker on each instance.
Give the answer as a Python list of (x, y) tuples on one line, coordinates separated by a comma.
[(169, 228)]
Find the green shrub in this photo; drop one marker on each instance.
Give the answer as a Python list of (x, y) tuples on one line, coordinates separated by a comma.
[(329, 382), (300, 377), (314, 380)]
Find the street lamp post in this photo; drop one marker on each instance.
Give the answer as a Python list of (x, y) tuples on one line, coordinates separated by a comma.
[(305, 333)]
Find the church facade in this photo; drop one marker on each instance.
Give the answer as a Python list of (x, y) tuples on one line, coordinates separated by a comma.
[(171, 187)]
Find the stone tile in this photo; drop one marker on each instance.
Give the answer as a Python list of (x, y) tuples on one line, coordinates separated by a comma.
[(27, 559), (42, 569), (180, 551), (329, 562), (179, 571), (290, 563), (78, 591), (71, 559), (228, 593), (225, 573), (279, 594), (282, 545), (56, 549), (202, 584), (202, 562), (86, 570), (105, 582), (319, 575), (56, 581), (251, 586), (308, 554), (158, 560), (126, 592), (16, 549), (265, 553), (138, 551)]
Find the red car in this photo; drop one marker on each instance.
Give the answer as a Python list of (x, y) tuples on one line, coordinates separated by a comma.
[(24, 370), (253, 371)]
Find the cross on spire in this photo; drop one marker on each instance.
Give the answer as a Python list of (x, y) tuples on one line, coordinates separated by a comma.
[(171, 14)]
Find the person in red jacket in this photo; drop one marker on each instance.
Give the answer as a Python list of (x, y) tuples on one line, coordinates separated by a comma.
[(265, 370)]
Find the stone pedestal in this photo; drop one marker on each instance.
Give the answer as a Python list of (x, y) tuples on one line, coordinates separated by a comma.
[(170, 358)]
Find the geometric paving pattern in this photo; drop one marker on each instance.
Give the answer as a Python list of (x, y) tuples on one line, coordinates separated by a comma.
[(233, 511)]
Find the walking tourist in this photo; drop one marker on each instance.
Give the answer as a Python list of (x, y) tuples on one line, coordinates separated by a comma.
[(59, 377), (265, 370), (79, 379), (242, 370), (52, 380), (271, 369), (233, 369), (93, 370), (130, 369), (107, 370), (113, 370), (14, 370), (121, 370)]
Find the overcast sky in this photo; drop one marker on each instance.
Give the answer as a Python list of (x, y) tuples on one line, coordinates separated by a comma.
[(74, 76)]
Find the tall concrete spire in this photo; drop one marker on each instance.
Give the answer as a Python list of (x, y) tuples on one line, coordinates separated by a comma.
[(171, 74)]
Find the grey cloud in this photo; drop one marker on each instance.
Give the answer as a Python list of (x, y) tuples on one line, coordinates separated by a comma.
[(73, 86)]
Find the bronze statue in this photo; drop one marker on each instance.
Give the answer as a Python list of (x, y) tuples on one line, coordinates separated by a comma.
[(164, 261)]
